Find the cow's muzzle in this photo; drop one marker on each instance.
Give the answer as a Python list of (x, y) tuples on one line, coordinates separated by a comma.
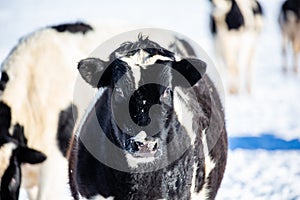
[(148, 147)]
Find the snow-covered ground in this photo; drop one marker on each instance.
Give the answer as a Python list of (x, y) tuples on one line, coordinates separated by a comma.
[(272, 108), (261, 175)]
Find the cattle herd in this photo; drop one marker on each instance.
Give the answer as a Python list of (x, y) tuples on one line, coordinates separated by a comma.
[(155, 128)]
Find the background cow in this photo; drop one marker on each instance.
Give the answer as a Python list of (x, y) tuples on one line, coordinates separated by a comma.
[(289, 21), (125, 148), (235, 25), (37, 83), (13, 153)]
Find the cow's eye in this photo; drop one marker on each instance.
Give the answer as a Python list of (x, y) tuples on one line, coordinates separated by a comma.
[(167, 92), (166, 97), (119, 91)]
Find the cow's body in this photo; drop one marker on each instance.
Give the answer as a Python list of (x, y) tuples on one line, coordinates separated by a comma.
[(289, 21), (37, 83), (235, 25), (184, 158)]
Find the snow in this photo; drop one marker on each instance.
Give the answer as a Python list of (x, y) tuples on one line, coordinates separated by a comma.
[(261, 174), (273, 107)]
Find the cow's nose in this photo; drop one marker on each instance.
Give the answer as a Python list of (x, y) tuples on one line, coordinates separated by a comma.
[(142, 148)]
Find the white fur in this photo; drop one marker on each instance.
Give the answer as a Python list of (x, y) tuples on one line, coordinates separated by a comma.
[(134, 162), (136, 70), (209, 166), (184, 113), (5, 154), (140, 137), (142, 59), (193, 186)]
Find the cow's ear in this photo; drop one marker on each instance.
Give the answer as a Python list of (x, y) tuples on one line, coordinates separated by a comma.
[(190, 70), (31, 156), (91, 70)]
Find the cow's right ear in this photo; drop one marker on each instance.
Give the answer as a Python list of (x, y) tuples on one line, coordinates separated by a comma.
[(91, 70)]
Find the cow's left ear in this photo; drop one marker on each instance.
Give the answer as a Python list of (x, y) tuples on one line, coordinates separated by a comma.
[(191, 69), (31, 156)]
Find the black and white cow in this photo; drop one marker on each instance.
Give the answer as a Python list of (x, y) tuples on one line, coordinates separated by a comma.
[(289, 21), (235, 25), (155, 130), (15, 148), (37, 81)]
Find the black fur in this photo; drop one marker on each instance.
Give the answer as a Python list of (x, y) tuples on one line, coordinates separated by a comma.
[(89, 177), (77, 27), (213, 26), (5, 116), (234, 18), (4, 79), (292, 6), (66, 123)]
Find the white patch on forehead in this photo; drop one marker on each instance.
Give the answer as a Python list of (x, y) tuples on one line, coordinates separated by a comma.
[(133, 161), (209, 166), (136, 70), (184, 114), (143, 59), (5, 154)]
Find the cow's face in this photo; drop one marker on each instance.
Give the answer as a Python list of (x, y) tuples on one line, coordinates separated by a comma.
[(138, 89)]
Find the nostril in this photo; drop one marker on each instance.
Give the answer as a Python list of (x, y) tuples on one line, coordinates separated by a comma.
[(155, 147), (138, 148), (132, 146), (135, 146)]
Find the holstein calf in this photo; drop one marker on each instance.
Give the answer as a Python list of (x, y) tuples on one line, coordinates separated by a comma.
[(289, 21), (13, 153), (37, 82), (235, 25), (155, 129)]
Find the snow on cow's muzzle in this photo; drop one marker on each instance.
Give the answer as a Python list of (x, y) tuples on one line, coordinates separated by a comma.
[(142, 146)]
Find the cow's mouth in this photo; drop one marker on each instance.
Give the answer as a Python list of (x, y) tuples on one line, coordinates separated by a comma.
[(143, 148)]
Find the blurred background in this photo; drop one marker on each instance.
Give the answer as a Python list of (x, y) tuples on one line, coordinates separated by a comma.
[(263, 127)]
